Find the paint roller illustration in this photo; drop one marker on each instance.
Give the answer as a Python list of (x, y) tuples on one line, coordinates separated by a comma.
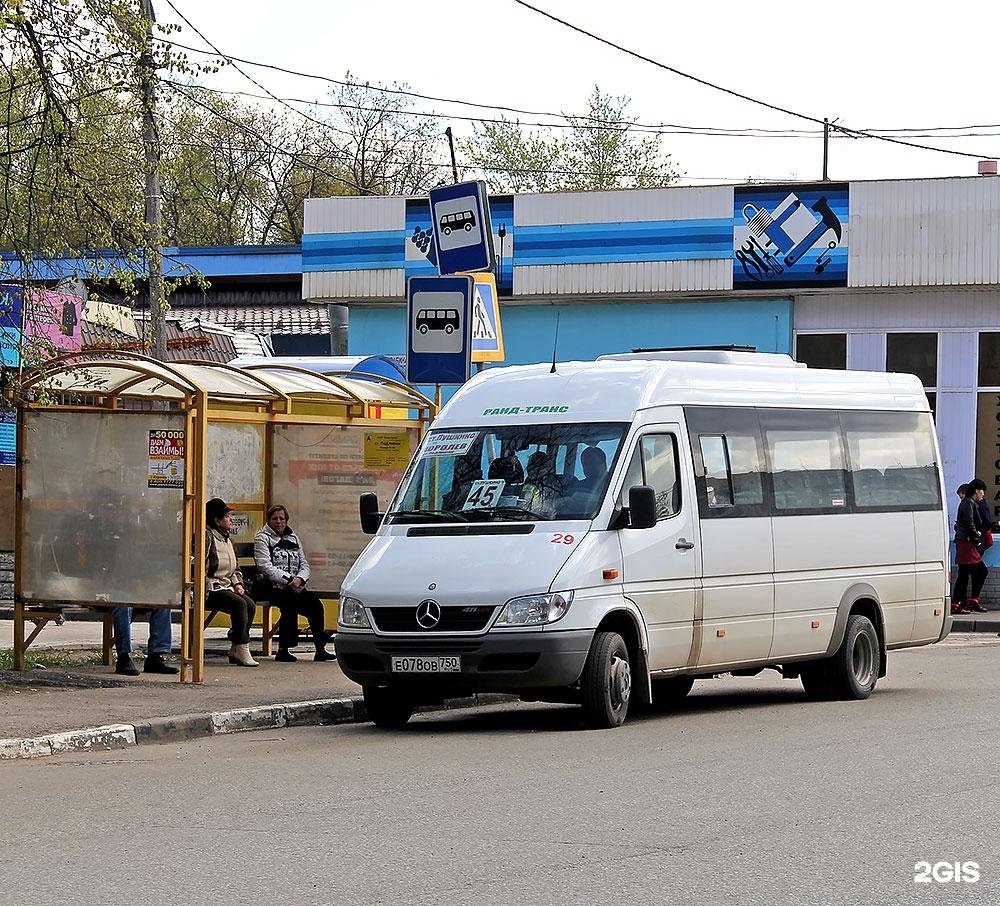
[(792, 231)]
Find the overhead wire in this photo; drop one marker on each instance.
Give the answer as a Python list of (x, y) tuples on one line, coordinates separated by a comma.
[(736, 94), (655, 128)]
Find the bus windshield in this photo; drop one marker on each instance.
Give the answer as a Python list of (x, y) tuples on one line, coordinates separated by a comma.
[(524, 472)]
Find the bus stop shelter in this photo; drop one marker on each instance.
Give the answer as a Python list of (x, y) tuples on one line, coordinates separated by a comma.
[(117, 456)]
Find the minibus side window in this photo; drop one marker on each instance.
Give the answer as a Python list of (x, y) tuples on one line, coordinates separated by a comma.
[(718, 486), (807, 462), (728, 461), (892, 460), (654, 463)]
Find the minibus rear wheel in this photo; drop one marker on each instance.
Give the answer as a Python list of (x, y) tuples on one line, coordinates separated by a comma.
[(387, 708), (606, 683), (854, 668)]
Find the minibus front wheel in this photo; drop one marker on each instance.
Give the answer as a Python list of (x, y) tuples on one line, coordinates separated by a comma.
[(606, 683), (387, 708)]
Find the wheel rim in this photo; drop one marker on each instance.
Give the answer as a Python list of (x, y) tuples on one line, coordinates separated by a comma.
[(863, 658), (621, 682)]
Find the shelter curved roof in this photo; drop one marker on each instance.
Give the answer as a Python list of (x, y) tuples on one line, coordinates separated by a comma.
[(137, 376)]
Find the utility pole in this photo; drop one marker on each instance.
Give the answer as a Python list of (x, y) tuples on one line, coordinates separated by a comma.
[(826, 147), (153, 209), (451, 147)]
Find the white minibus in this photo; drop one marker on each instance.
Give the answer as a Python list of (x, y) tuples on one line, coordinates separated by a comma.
[(609, 532)]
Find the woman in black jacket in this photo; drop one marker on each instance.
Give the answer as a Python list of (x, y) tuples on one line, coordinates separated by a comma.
[(968, 553)]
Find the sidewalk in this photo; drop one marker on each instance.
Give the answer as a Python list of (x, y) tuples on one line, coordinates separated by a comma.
[(38, 702)]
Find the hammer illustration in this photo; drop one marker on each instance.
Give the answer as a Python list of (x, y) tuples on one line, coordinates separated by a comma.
[(828, 221)]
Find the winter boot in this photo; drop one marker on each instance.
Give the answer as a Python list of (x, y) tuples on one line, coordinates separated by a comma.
[(241, 656)]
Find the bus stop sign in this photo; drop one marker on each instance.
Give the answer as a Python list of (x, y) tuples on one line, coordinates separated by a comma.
[(438, 329), (463, 231)]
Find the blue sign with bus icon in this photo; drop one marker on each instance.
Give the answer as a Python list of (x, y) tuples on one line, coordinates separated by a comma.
[(463, 233), (438, 329)]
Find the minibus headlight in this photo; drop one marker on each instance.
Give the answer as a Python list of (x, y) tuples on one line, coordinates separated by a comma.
[(352, 613), (534, 610)]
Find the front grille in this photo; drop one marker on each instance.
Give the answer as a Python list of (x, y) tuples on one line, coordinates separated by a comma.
[(428, 646), (453, 619)]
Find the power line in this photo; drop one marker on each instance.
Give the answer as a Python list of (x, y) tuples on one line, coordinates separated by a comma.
[(653, 130), (665, 129), (244, 74), (746, 131), (736, 94)]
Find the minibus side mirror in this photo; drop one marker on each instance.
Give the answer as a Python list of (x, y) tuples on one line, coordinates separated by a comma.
[(371, 518), (641, 507)]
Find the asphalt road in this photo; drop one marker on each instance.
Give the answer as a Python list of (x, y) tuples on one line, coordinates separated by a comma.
[(747, 794)]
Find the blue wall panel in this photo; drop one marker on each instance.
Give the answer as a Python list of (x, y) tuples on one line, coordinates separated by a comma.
[(587, 331)]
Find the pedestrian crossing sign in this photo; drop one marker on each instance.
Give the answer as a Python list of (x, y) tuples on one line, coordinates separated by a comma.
[(487, 334)]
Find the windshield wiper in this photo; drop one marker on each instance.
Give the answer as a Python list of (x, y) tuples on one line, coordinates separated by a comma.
[(439, 515), (506, 512)]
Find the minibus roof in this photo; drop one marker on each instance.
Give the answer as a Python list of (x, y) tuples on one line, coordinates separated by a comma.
[(614, 388)]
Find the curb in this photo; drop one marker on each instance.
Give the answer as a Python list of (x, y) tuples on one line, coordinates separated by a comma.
[(975, 625), (186, 727)]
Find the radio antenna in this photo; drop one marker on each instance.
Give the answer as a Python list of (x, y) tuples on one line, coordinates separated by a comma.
[(555, 344)]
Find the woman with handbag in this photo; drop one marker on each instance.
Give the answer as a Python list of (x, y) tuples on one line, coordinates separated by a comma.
[(969, 547), (282, 563)]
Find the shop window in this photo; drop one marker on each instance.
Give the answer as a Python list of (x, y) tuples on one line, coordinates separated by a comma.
[(913, 353), (989, 360), (822, 350)]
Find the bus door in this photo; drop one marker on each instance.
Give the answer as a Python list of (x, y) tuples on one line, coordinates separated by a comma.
[(661, 565)]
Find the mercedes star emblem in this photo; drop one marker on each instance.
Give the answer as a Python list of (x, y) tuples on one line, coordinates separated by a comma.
[(428, 614)]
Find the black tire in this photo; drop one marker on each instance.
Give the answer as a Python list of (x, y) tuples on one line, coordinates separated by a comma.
[(854, 669), (669, 691), (606, 683), (816, 681), (387, 708)]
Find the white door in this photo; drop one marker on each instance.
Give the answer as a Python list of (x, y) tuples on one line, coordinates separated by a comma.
[(661, 565)]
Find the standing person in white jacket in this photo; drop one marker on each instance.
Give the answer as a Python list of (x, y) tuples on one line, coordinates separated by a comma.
[(282, 561)]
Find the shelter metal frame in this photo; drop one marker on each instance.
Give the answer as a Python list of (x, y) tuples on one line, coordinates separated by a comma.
[(206, 393)]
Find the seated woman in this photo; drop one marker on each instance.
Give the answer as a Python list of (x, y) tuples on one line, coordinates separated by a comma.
[(224, 581), (282, 562)]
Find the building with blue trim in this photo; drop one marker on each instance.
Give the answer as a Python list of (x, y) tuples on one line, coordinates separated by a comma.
[(900, 275)]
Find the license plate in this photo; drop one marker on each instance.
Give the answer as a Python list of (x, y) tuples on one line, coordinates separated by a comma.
[(432, 664)]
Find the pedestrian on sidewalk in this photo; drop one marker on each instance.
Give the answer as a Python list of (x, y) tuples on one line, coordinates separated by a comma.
[(281, 561), (985, 517), (157, 649), (968, 552), (224, 581)]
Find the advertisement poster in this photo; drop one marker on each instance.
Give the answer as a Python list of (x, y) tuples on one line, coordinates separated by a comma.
[(166, 459), (11, 317), (319, 474), (987, 450), (54, 318), (790, 235)]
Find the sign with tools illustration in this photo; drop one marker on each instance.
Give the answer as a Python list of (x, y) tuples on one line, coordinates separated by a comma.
[(166, 459), (790, 235)]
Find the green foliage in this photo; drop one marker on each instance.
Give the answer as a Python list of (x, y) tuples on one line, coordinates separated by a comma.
[(50, 657), (598, 151)]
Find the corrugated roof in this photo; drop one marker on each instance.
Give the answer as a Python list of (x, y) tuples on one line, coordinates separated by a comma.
[(187, 338), (305, 317)]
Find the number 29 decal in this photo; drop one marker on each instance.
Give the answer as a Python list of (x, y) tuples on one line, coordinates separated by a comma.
[(560, 538)]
